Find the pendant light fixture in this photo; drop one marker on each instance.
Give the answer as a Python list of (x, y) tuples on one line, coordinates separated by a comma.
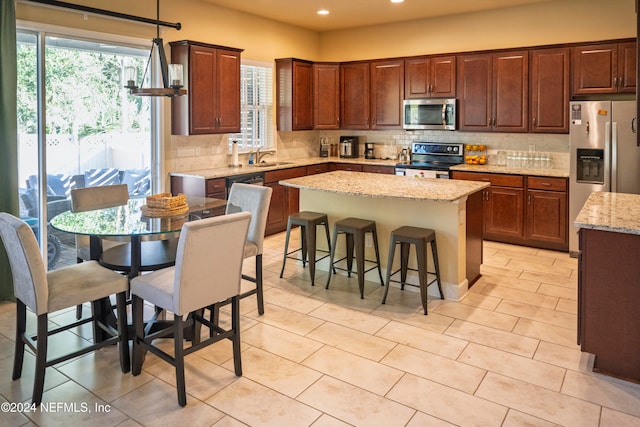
[(172, 74)]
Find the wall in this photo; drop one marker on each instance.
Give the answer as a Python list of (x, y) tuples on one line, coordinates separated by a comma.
[(558, 21)]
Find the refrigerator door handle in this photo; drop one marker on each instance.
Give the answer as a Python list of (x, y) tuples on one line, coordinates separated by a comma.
[(614, 156)]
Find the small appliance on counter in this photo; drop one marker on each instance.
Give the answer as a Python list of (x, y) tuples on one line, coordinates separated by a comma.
[(349, 146), (369, 150), (324, 147)]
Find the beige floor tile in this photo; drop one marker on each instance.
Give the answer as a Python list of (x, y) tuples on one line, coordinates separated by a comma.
[(495, 260), (511, 282), (435, 368), (523, 368), (228, 421), (275, 372), (611, 418), (447, 404), (329, 421), (606, 391), (540, 402), (277, 341), (100, 373), (363, 322), (518, 419), (355, 370), (156, 403), (494, 338), (423, 339), (567, 306), (299, 303), (500, 271), (22, 389), (354, 405), (569, 358), (534, 257), (433, 321), (289, 320), (129, 423), (539, 314), (492, 319), (546, 332), (72, 405), (257, 405), (356, 342), (532, 298), (12, 418), (481, 300), (558, 291), (6, 347), (545, 277), (421, 419), (202, 378), (539, 268)]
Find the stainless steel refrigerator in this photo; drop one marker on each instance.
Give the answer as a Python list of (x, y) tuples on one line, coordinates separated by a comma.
[(604, 153)]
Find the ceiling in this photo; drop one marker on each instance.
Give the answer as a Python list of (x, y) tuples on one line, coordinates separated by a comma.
[(358, 13)]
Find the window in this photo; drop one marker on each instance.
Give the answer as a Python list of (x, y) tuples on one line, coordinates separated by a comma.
[(88, 132), (256, 109)]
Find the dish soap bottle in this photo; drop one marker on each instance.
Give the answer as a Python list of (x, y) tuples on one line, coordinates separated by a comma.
[(251, 158)]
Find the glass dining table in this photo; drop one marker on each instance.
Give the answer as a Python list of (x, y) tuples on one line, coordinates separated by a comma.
[(128, 224)]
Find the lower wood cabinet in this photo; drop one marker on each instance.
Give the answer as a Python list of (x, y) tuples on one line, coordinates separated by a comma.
[(346, 167), (524, 210), (284, 200)]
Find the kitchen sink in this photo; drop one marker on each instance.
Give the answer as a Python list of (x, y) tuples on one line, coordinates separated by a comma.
[(270, 164)]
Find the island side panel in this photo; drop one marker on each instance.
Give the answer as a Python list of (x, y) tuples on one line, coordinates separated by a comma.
[(609, 301), (447, 219), (474, 236)]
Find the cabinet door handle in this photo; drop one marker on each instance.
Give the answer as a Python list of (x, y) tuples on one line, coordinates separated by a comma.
[(529, 199), (615, 82), (534, 121), (546, 184)]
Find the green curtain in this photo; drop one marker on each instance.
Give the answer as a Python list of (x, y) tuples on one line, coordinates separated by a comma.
[(8, 132)]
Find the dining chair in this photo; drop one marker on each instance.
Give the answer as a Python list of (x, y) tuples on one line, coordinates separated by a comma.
[(254, 199), (46, 292), (208, 269), (115, 255)]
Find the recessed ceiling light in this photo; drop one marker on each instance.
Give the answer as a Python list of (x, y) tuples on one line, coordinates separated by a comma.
[(323, 12), (397, 1)]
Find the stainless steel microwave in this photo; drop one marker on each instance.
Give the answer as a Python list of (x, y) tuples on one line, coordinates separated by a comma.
[(429, 113)]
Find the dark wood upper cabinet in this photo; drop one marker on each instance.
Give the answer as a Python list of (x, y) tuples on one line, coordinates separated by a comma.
[(326, 96), (355, 95), (550, 90), (212, 103), (430, 77), (294, 95), (604, 68), (494, 91), (387, 93)]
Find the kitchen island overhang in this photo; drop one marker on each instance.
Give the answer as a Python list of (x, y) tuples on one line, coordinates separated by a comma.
[(452, 208)]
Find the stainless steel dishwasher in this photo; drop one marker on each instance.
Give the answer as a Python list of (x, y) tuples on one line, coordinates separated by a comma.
[(255, 178)]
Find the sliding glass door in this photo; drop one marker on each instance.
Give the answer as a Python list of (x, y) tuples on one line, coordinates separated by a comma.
[(77, 127)]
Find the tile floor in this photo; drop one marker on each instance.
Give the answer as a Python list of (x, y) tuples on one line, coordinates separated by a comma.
[(503, 356)]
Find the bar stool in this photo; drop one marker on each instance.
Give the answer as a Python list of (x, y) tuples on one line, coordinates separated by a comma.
[(308, 222), (406, 236), (354, 230)]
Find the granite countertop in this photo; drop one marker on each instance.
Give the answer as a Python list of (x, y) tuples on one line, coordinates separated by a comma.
[(281, 164), (617, 212), (387, 186), (555, 173)]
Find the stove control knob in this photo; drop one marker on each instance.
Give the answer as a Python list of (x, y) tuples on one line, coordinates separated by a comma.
[(449, 148)]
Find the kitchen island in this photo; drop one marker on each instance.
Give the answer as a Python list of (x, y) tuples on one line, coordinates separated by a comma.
[(452, 208), (609, 283)]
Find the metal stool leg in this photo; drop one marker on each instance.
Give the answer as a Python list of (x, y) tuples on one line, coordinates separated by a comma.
[(421, 255), (332, 255), (359, 246), (286, 246), (404, 263), (434, 251), (377, 250), (310, 238), (350, 243), (392, 251)]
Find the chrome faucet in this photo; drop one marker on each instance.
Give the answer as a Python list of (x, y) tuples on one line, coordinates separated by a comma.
[(260, 155)]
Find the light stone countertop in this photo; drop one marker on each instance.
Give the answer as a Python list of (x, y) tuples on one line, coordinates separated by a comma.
[(554, 173), (387, 186), (283, 164), (617, 212)]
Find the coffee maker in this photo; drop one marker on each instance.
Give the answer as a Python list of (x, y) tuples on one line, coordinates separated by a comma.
[(369, 152), (349, 146)]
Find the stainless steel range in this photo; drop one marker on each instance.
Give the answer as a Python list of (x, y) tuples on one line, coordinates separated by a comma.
[(432, 159)]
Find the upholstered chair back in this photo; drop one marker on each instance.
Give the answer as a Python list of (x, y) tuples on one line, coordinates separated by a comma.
[(91, 198), (27, 267), (254, 199), (209, 261)]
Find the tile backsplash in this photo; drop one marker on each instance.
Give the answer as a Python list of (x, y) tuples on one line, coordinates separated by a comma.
[(189, 153)]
